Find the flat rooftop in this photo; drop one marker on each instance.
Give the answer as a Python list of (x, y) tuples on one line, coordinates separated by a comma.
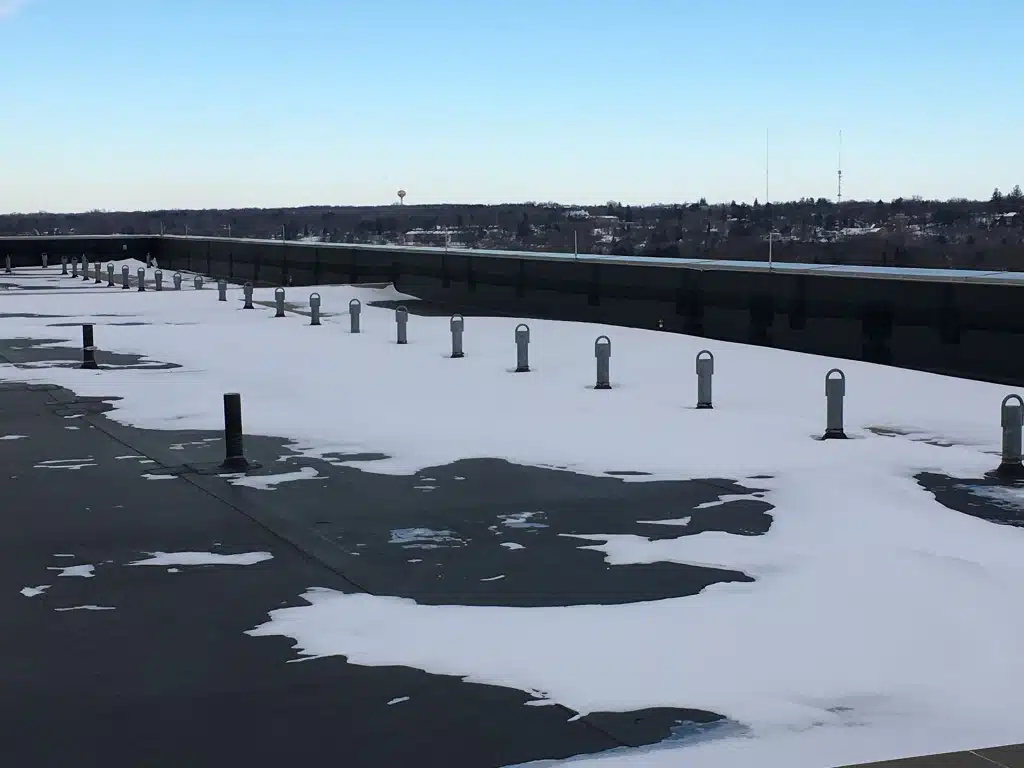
[(446, 559)]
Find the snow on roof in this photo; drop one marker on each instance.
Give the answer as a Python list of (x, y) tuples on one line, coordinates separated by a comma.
[(871, 605)]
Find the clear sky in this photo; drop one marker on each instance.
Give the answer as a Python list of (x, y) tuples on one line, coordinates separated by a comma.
[(222, 103)]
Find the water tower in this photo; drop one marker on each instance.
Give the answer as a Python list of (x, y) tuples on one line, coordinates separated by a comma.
[(401, 197)]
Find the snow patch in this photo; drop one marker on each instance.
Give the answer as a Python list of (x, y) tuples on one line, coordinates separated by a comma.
[(203, 558), (1008, 497), (269, 482), (81, 571), (675, 521), (66, 464), (86, 608), (423, 538), (729, 498), (522, 520)]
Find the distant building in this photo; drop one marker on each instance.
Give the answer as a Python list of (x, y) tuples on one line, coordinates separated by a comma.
[(436, 237)]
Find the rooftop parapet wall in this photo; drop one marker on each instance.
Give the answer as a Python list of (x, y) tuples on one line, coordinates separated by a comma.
[(952, 321), (27, 251)]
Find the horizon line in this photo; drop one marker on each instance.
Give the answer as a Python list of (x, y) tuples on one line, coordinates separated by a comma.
[(516, 204)]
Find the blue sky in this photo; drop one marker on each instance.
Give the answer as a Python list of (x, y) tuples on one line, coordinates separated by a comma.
[(215, 103)]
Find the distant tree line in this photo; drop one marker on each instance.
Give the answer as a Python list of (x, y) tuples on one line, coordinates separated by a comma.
[(913, 231)]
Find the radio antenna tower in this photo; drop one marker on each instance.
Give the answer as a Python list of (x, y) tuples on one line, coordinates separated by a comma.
[(839, 172), (771, 222)]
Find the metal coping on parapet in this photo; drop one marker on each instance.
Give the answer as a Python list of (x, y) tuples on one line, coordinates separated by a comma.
[(922, 274)]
